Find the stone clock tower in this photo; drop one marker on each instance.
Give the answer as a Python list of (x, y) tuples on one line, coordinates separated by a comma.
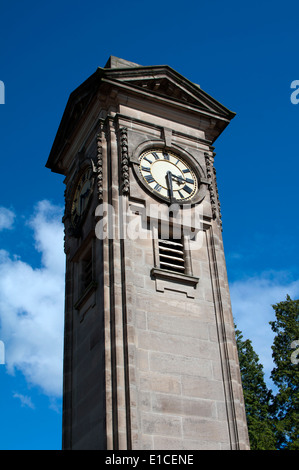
[(150, 359)]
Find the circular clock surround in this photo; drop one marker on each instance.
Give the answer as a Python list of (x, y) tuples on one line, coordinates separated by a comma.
[(81, 196), (169, 176)]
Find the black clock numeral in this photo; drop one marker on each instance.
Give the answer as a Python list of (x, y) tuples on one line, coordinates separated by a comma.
[(189, 180), (145, 168), (156, 155), (158, 187), (149, 161), (181, 195), (166, 156), (149, 178), (186, 171), (187, 189)]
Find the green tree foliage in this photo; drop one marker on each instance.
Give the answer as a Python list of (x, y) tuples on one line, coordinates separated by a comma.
[(285, 374), (257, 397)]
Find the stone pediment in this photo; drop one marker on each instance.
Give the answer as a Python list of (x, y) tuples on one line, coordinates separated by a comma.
[(165, 82), (160, 83)]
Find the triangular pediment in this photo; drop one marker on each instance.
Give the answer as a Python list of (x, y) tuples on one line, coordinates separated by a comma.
[(159, 83), (164, 82)]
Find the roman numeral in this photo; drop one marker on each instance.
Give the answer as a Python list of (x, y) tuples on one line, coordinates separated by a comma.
[(186, 171), (187, 189), (149, 161), (145, 168), (156, 156), (149, 178), (158, 187), (166, 156), (181, 195), (188, 180)]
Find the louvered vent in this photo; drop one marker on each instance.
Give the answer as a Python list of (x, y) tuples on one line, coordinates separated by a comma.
[(171, 255)]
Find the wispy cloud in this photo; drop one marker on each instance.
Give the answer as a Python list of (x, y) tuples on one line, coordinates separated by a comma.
[(252, 301), (32, 304), (7, 218), (25, 400)]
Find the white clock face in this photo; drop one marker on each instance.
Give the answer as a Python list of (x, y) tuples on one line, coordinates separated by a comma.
[(168, 175)]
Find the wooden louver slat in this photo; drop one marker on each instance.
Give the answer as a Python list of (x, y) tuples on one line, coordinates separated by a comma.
[(171, 254)]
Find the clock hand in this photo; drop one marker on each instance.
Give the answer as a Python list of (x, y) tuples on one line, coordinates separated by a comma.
[(82, 199), (180, 179), (84, 195), (169, 184)]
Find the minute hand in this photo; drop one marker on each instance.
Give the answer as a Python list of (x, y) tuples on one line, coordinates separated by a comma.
[(169, 185), (181, 179)]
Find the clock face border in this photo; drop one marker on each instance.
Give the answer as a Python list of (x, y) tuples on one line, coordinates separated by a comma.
[(188, 161), (76, 225)]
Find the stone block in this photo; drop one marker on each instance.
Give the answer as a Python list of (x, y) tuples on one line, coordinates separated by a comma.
[(175, 364), (168, 443), (201, 387), (153, 423), (173, 323), (176, 344), (207, 430), (156, 382), (182, 406)]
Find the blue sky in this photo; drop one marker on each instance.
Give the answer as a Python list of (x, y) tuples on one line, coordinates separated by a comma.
[(245, 54)]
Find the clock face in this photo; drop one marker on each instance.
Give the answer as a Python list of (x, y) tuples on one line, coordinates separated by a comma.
[(81, 197), (168, 175)]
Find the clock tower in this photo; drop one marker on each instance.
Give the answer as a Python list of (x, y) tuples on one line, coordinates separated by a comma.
[(150, 358)]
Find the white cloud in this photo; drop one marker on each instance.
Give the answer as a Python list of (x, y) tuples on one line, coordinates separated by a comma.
[(32, 305), (7, 218), (252, 301)]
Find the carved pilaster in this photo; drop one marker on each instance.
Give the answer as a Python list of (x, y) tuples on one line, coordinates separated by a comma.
[(99, 167), (65, 223), (209, 166), (213, 189), (124, 160), (217, 196)]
